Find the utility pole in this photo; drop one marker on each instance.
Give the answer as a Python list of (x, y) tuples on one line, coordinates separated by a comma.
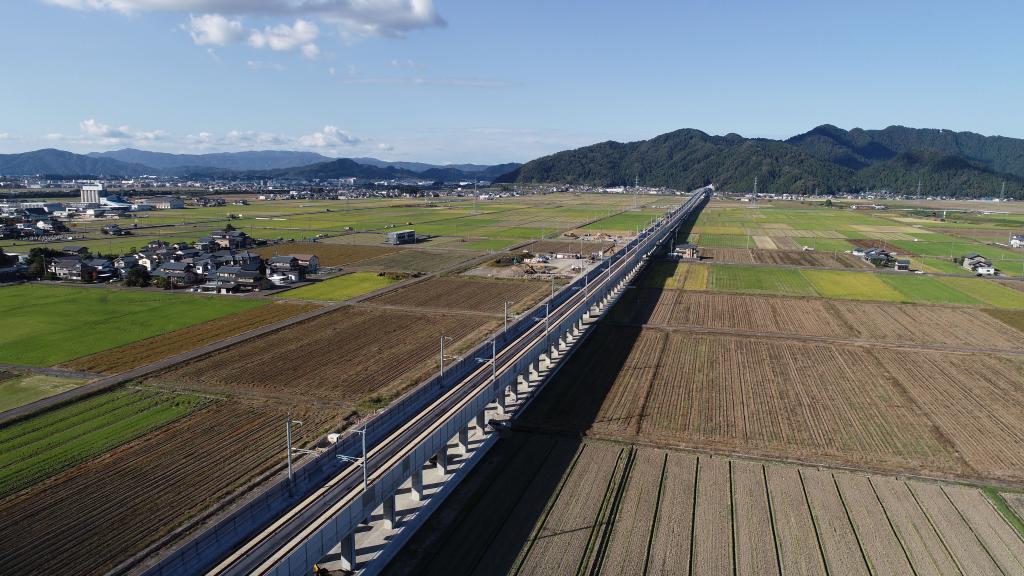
[(362, 461), (443, 338), (507, 302), (288, 437)]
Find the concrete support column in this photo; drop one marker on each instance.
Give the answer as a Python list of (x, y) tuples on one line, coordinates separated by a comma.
[(464, 440), (417, 484), (442, 460), (534, 373), (500, 401), (481, 421), (389, 512), (348, 552), (512, 390), (522, 383)]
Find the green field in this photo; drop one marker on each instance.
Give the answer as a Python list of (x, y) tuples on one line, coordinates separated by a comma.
[(851, 286), (49, 443), (842, 285), (23, 389), (760, 280), (987, 291), (46, 324), (927, 290), (342, 288)]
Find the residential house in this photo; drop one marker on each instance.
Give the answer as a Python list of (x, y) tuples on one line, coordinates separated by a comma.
[(71, 268), (232, 239), (79, 250), (125, 263), (103, 269), (309, 262), (177, 273), (878, 257), (688, 251), (1017, 241), (283, 270), (974, 260)]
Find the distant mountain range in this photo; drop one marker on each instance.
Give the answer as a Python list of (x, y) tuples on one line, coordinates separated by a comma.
[(130, 162), (826, 159)]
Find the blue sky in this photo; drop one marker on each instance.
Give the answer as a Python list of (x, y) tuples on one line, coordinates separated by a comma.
[(485, 81)]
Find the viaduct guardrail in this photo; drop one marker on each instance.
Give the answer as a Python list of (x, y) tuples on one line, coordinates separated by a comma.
[(292, 525)]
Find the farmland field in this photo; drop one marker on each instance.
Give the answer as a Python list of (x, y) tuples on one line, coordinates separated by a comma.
[(143, 352), (329, 255), (343, 287), (42, 446), (850, 285), (784, 257), (416, 260), (467, 294), (20, 389), (665, 512), (877, 408), (337, 358), (142, 490), (46, 325)]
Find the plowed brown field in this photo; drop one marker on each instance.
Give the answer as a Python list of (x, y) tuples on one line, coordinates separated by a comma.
[(784, 257), (329, 255), (470, 294), (87, 519), (338, 358)]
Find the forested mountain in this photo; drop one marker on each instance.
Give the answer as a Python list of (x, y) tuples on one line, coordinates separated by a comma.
[(480, 170), (52, 162), (253, 160), (826, 159)]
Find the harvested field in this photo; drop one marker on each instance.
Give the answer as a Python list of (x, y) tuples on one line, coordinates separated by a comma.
[(839, 543), (957, 536), (922, 544), (799, 552), (577, 515), (712, 530), (339, 357), (329, 255), (874, 243), (885, 409), (869, 321), (752, 521), (673, 525), (53, 525), (785, 257), (814, 519), (422, 261), (1000, 540), (467, 294), (150, 350), (626, 552), (882, 549)]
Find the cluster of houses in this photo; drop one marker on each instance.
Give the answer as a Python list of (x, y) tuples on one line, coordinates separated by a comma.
[(220, 263)]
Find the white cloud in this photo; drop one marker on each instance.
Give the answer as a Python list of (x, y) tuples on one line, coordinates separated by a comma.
[(329, 137), (6, 136), (261, 65), (283, 38), (94, 129), (399, 80), (214, 29), (392, 18)]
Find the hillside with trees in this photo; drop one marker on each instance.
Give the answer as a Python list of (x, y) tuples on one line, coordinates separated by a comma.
[(826, 160)]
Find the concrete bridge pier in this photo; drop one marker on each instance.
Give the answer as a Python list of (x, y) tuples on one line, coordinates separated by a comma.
[(417, 484), (389, 512), (522, 384), (463, 441), (442, 460), (511, 392), (347, 556), (481, 421)]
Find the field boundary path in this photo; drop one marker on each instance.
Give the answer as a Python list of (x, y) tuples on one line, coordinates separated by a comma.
[(58, 372), (821, 339)]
